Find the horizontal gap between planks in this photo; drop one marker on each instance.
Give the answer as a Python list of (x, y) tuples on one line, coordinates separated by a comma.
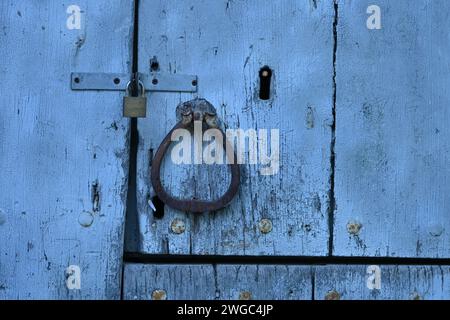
[(130, 257)]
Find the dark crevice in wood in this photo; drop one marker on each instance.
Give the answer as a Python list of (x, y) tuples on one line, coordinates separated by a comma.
[(159, 207), (131, 222), (331, 195), (131, 257)]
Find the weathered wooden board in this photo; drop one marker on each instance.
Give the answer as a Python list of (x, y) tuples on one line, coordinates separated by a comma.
[(232, 282), (224, 282), (392, 149), (397, 283), (63, 154), (225, 43)]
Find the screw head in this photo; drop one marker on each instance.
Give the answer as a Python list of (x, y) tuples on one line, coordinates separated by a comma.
[(265, 226), (245, 295), (436, 230), (159, 295), (177, 226), (415, 296), (353, 227), (85, 219), (333, 295)]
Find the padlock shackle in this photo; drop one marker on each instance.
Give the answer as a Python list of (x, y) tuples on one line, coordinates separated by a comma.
[(140, 84)]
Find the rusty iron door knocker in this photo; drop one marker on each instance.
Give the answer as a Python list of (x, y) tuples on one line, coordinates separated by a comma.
[(187, 113)]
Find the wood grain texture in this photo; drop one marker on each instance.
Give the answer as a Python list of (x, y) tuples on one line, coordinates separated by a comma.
[(392, 132), (232, 282), (225, 43), (58, 147), (397, 283), (223, 282)]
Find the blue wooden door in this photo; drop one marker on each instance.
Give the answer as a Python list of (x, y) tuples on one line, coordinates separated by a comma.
[(358, 93), (64, 154), (226, 50), (353, 115), (391, 131)]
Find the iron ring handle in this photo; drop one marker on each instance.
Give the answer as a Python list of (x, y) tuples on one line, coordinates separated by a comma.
[(194, 205)]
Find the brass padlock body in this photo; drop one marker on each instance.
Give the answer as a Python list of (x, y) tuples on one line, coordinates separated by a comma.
[(135, 107)]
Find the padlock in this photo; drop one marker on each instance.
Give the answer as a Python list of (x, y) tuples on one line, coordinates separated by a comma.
[(135, 107)]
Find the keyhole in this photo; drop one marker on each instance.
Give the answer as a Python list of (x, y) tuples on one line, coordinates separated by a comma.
[(159, 206), (265, 75), (154, 66)]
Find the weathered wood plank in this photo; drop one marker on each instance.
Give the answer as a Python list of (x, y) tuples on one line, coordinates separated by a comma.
[(63, 154), (228, 282), (225, 43), (224, 282), (397, 283), (392, 149)]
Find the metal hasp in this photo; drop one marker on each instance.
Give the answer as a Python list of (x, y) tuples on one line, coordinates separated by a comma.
[(118, 81), (187, 113)]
